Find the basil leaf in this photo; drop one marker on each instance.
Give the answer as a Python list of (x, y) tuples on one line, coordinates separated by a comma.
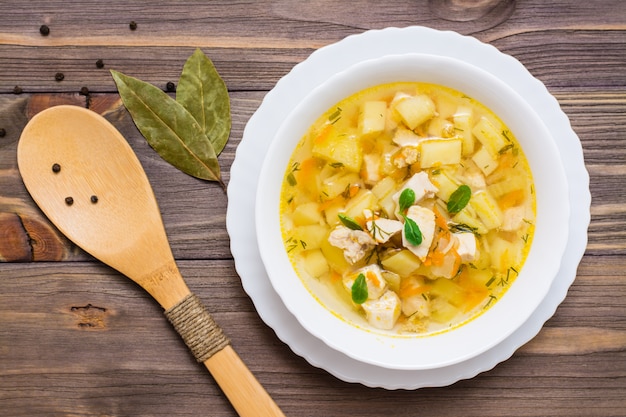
[(349, 222), (359, 290), (203, 93), (406, 200), (412, 231), (169, 128), (459, 199)]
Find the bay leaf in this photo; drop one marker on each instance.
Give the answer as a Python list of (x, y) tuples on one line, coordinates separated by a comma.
[(204, 94), (169, 128)]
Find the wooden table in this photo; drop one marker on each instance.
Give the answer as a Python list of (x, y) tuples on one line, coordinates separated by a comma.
[(78, 339)]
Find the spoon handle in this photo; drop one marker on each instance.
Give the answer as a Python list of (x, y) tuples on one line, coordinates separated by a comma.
[(208, 344), (243, 390)]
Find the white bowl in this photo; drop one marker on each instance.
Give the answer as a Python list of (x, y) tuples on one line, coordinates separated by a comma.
[(320, 316)]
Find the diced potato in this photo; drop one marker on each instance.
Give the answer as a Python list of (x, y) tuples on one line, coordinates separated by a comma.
[(463, 121), (314, 263), (393, 280), (468, 217), (440, 152), (340, 148), (389, 205), (449, 290), (339, 183), (441, 128), (487, 209), (483, 159), (313, 235), (332, 211), (501, 188), (442, 311), (334, 257), (489, 136), (445, 184), (372, 118), (415, 110), (387, 167), (365, 199), (479, 277), (505, 254), (403, 262), (308, 213), (384, 187)]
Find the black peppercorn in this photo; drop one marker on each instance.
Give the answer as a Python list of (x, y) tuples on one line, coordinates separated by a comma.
[(69, 201), (99, 63), (17, 90), (56, 168), (132, 25), (94, 199), (84, 91), (44, 30), (170, 86), (59, 76), (3, 132)]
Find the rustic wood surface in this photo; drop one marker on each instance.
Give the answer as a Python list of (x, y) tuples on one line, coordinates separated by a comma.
[(78, 339)]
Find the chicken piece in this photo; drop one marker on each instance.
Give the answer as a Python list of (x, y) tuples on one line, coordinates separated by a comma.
[(449, 266), (408, 155), (425, 220), (413, 297), (354, 243), (416, 304), (467, 248), (383, 312), (376, 284), (381, 229), (513, 218), (371, 168), (405, 137), (421, 186)]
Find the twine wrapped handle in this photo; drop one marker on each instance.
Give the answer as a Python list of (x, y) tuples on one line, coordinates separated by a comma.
[(195, 325)]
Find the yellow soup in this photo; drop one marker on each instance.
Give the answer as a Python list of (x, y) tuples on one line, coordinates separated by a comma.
[(413, 203)]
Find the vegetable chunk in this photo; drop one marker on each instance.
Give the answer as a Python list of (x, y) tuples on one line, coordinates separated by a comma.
[(408, 207)]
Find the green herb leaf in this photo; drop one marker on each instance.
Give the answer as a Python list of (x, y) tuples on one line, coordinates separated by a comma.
[(462, 228), (412, 231), (203, 93), (169, 128), (349, 222), (359, 290), (459, 199), (406, 200), (291, 179)]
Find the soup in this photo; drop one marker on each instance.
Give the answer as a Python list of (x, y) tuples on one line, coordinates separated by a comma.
[(412, 203)]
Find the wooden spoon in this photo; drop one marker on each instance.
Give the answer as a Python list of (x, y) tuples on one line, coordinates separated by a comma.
[(88, 181)]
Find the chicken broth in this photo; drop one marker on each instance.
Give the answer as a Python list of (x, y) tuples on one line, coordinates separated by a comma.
[(412, 204)]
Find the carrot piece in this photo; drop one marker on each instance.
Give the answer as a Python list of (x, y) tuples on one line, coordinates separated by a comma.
[(323, 134), (440, 220), (372, 277), (511, 199)]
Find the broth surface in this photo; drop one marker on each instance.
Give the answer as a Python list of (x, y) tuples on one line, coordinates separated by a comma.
[(408, 207)]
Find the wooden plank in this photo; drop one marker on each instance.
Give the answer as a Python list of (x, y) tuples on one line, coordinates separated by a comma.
[(85, 341), (197, 231), (588, 59)]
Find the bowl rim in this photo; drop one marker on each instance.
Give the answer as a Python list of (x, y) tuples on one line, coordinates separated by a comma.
[(374, 347)]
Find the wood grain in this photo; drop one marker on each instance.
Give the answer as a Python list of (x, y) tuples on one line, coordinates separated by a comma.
[(78, 339)]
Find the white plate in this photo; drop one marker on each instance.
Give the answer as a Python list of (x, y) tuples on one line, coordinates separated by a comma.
[(283, 98)]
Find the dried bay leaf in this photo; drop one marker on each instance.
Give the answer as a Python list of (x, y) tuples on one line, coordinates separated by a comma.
[(204, 94), (169, 128)]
